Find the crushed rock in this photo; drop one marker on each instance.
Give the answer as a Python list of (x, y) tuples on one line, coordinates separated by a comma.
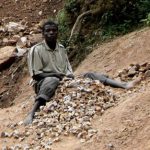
[(70, 112), (134, 71)]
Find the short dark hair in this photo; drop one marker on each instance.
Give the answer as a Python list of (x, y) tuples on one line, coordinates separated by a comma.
[(49, 22)]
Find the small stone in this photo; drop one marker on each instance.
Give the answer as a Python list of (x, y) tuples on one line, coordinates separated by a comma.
[(4, 134), (20, 123), (49, 142), (98, 108), (16, 134), (26, 147), (82, 140), (47, 147), (132, 71), (147, 73), (37, 147), (41, 107), (5, 148), (67, 99), (5, 41), (17, 147), (27, 134), (82, 135), (110, 146), (21, 139), (57, 139), (40, 13)]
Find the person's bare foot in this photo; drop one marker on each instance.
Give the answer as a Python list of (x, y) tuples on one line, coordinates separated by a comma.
[(28, 120), (131, 84)]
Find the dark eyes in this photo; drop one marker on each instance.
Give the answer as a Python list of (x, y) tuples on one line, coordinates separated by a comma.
[(50, 30)]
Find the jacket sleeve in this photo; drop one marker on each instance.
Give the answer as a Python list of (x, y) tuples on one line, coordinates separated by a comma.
[(69, 68), (34, 62)]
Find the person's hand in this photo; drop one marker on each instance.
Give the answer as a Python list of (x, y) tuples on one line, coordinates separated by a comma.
[(70, 76)]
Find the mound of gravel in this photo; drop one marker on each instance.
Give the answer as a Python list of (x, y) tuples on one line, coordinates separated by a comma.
[(69, 112)]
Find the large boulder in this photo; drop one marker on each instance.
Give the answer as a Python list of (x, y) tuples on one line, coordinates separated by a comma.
[(7, 57), (15, 27)]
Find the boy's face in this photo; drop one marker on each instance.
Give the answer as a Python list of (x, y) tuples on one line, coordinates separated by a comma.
[(50, 33)]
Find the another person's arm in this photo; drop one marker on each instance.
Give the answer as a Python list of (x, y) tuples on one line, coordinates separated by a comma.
[(69, 72)]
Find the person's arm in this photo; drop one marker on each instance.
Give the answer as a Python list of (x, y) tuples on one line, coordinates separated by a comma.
[(69, 72), (70, 76), (35, 64), (41, 76)]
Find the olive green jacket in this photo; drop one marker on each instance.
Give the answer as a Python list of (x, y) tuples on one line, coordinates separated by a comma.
[(41, 59)]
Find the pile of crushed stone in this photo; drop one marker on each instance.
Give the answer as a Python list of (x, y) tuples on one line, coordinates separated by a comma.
[(70, 112), (135, 70)]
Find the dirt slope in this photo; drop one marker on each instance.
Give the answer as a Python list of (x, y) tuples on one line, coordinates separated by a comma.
[(31, 11), (123, 127), (118, 54)]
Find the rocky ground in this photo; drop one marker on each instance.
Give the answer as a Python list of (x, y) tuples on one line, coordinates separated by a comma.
[(30, 11), (83, 114)]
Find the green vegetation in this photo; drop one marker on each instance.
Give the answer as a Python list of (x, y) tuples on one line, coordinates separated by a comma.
[(113, 18), (64, 29), (126, 18), (147, 20)]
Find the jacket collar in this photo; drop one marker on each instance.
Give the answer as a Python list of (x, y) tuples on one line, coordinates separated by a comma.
[(48, 48)]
